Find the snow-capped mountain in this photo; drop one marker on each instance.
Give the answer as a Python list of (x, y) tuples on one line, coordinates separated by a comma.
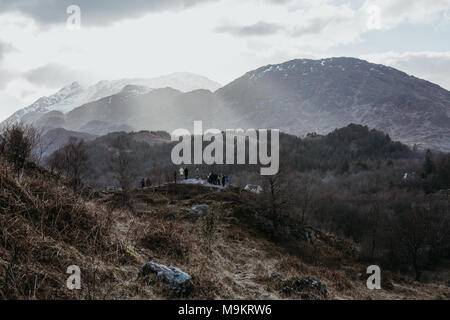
[(297, 97), (75, 95), (302, 96)]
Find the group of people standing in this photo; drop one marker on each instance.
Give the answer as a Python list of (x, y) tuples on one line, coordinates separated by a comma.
[(146, 182), (218, 179), (183, 174), (213, 178)]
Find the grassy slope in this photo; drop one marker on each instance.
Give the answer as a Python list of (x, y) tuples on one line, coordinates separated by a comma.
[(44, 228)]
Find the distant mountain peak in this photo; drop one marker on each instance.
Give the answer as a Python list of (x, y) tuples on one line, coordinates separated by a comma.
[(321, 95), (132, 89), (70, 89), (74, 94), (307, 66)]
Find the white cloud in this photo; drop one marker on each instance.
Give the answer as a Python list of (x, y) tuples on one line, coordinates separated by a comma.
[(53, 75), (258, 29), (154, 42), (431, 66), (98, 12), (4, 49), (395, 12)]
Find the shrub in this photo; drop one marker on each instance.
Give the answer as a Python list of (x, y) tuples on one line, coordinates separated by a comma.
[(16, 144), (209, 226)]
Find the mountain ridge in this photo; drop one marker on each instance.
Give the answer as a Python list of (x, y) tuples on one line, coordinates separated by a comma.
[(74, 95), (320, 95), (298, 96)]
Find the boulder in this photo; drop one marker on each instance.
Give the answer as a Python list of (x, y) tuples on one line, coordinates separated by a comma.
[(307, 288), (200, 209), (306, 234), (275, 275), (310, 235), (178, 281)]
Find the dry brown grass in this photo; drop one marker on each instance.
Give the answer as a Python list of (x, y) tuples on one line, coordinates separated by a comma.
[(45, 227), (167, 238)]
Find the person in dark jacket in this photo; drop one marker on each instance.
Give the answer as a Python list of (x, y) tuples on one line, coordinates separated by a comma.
[(210, 178), (143, 183), (223, 181), (186, 173), (175, 176), (197, 173)]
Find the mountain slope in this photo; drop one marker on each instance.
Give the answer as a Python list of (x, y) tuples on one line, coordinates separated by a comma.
[(75, 95), (110, 245), (54, 139), (302, 96), (161, 109)]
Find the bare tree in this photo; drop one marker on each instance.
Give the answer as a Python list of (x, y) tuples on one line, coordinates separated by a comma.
[(302, 195), (77, 161), (17, 142), (42, 146), (375, 215), (415, 230), (275, 199), (121, 165), (56, 162), (71, 161)]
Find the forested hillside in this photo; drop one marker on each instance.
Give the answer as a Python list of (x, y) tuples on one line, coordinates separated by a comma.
[(148, 154), (309, 234)]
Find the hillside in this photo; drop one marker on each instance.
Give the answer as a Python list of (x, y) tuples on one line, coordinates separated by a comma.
[(54, 139), (321, 95), (150, 152), (224, 253)]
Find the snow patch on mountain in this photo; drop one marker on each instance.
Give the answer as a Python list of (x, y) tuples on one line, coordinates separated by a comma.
[(75, 95)]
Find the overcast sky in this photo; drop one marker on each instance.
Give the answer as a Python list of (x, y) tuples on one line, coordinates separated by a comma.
[(220, 39)]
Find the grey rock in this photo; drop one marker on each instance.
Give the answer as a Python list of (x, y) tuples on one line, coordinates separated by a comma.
[(200, 209), (275, 275), (310, 235), (311, 283), (178, 281), (305, 233), (306, 288)]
